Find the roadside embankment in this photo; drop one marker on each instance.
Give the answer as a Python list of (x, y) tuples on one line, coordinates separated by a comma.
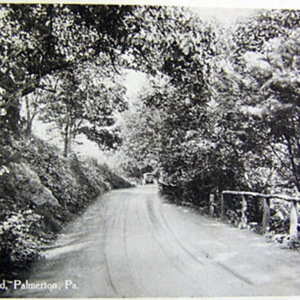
[(41, 191)]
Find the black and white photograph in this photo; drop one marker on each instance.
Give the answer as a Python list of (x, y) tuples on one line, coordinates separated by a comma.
[(149, 150)]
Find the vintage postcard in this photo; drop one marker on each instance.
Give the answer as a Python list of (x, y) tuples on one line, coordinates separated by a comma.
[(149, 149)]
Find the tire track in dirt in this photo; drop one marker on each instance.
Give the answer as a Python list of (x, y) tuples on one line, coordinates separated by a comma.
[(105, 231), (195, 258), (157, 226), (125, 242), (206, 254)]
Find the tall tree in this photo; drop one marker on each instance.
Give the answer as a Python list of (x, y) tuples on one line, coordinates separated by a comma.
[(38, 40), (245, 91), (85, 102), (27, 54), (276, 71), (177, 49)]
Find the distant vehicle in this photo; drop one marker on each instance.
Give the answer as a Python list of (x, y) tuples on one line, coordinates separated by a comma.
[(148, 178)]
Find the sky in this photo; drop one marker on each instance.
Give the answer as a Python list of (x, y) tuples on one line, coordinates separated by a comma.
[(134, 82), (225, 15)]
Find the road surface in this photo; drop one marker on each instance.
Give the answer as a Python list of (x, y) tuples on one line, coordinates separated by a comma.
[(131, 243)]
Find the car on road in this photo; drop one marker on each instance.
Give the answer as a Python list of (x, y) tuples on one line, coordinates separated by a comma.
[(148, 178)]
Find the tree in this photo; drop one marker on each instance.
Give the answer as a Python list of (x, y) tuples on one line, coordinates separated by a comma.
[(174, 42), (40, 40), (262, 27), (27, 54), (179, 62), (31, 110), (85, 103), (276, 70), (140, 134), (251, 92)]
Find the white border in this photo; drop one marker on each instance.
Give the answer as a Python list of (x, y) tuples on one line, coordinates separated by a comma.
[(267, 4)]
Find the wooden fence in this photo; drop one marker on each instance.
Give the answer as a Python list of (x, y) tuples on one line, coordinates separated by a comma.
[(293, 226), (294, 202)]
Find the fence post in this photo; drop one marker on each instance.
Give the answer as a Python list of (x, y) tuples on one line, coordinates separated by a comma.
[(244, 209), (266, 215), (211, 204), (222, 207), (294, 220)]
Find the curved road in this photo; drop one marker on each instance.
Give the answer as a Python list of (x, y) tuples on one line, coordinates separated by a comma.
[(130, 243)]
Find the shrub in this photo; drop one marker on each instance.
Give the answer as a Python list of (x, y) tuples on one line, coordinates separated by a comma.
[(18, 240)]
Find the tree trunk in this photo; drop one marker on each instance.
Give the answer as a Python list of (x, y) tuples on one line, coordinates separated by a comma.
[(28, 128), (294, 220), (66, 141), (28, 124), (266, 215), (12, 117)]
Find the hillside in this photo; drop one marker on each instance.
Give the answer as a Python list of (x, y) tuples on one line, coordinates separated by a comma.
[(41, 191)]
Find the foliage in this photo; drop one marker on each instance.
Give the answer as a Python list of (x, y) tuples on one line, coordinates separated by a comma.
[(140, 128), (85, 101), (222, 110), (172, 41), (175, 48), (39, 193), (278, 69), (250, 36), (28, 53), (18, 236), (52, 40), (244, 132)]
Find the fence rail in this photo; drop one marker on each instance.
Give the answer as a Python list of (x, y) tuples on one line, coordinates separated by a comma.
[(293, 229), (213, 204), (268, 196)]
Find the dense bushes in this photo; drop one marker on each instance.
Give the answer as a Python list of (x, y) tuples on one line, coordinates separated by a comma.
[(18, 232), (39, 192)]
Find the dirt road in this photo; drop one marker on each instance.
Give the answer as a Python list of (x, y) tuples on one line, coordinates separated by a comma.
[(130, 243)]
